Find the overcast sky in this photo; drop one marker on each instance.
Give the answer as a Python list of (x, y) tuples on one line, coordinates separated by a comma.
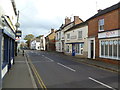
[(39, 16)]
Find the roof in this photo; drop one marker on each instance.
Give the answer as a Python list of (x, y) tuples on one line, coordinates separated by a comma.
[(77, 26), (109, 9)]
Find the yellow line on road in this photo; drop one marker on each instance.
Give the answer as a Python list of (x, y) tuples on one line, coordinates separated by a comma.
[(38, 76)]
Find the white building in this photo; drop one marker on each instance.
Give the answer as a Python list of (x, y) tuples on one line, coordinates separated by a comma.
[(60, 35), (8, 19), (76, 40), (35, 44), (42, 42)]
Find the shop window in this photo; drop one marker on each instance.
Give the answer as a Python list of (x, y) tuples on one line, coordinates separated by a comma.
[(110, 48), (81, 48), (119, 49), (102, 48), (67, 48), (115, 48), (77, 48), (101, 24), (106, 48)]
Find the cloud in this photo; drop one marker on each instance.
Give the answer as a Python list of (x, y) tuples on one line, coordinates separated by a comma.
[(39, 16)]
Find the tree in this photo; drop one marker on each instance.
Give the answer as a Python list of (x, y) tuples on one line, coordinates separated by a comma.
[(29, 37), (39, 36)]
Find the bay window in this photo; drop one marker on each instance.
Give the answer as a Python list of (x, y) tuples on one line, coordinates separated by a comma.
[(110, 49)]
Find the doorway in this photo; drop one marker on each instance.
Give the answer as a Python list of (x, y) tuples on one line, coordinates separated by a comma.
[(92, 48)]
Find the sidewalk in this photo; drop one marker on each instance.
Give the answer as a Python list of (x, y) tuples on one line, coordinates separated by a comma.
[(96, 63), (18, 76), (101, 64)]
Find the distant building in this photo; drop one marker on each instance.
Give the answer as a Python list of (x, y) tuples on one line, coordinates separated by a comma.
[(35, 44), (8, 19), (42, 42), (50, 41), (104, 35)]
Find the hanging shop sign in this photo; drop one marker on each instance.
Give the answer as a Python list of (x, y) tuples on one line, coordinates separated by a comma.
[(18, 33)]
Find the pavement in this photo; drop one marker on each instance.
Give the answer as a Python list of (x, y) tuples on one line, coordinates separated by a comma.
[(97, 63), (20, 75)]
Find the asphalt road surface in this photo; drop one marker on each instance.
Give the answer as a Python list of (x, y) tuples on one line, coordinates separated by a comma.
[(56, 70)]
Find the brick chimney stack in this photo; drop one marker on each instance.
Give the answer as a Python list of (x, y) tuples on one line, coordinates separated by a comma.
[(77, 20), (67, 20), (52, 30)]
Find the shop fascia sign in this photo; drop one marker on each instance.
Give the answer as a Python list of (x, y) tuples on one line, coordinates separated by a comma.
[(9, 32), (109, 34)]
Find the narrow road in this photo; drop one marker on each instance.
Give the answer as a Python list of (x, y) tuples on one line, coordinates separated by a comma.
[(56, 70)]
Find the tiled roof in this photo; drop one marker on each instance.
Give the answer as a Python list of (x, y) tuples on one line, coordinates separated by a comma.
[(109, 9)]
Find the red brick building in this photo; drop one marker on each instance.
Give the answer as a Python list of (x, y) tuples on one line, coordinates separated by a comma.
[(104, 35)]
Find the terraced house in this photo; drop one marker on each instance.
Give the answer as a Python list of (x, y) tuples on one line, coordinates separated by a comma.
[(76, 40), (60, 34), (8, 19), (104, 35)]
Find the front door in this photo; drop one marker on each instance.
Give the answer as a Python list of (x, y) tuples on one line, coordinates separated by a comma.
[(92, 48), (73, 49)]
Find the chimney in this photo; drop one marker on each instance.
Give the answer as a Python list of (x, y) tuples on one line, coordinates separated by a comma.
[(67, 20), (52, 30), (99, 10), (77, 20)]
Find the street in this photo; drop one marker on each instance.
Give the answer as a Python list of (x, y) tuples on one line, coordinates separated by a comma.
[(56, 70)]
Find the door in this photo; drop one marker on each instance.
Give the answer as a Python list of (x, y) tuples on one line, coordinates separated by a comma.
[(92, 48), (73, 49)]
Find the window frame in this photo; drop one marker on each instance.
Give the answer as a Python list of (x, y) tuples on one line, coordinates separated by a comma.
[(101, 23)]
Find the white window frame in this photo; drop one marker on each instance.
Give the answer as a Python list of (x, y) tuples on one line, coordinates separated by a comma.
[(68, 38), (101, 23), (110, 57), (79, 34)]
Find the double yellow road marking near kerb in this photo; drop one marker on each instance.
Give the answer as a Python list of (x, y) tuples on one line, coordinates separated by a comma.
[(37, 75)]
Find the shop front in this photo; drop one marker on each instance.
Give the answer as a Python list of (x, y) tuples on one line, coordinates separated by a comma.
[(7, 49), (109, 43), (75, 48)]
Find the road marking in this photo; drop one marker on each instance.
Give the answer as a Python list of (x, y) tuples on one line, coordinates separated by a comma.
[(37, 76), (66, 67), (101, 83), (48, 58)]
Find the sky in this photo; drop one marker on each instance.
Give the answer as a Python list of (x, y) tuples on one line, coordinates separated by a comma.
[(37, 17)]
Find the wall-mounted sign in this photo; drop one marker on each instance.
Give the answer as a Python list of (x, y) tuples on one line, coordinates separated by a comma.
[(109, 34), (73, 37)]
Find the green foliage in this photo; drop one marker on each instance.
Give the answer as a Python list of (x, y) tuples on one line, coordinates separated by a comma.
[(39, 36), (29, 37)]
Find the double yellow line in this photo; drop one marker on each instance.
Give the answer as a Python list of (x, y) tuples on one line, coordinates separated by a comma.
[(37, 76)]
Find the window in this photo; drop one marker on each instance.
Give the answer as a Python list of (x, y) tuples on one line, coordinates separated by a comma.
[(106, 48), (110, 49), (79, 34), (101, 24), (102, 48), (59, 35), (67, 48), (81, 48), (119, 49), (115, 48), (68, 36), (77, 48)]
